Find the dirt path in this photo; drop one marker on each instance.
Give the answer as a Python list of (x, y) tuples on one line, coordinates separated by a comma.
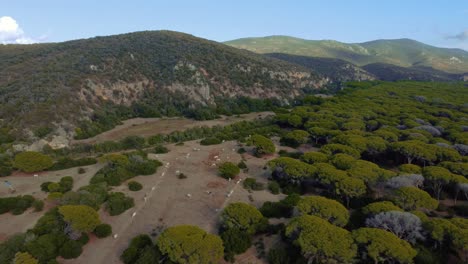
[(196, 200), (146, 127)]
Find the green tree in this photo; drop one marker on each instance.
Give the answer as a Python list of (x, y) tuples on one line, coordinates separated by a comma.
[(410, 168), (263, 145), (71, 249), (321, 241), (82, 218), (235, 242), (342, 161), (328, 209), (314, 157), (349, 188), (228, 170), (437, 178), (291, 169), (24, 258), (295, 138), (415, 149), (411, 198), (242, 216), (187, 244), (31, 161), (295, 120), (379, 207), (382, 246)]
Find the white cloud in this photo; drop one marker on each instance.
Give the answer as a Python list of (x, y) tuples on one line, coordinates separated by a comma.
[(11, 32)]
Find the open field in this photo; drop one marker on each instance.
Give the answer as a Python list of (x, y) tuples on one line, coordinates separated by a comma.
[(151, 126), (196, 200)]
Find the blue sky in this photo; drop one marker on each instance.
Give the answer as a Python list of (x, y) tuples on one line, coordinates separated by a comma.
[(440, 23)]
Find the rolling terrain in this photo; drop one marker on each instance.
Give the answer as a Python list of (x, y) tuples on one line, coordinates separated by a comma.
[(400, 52)]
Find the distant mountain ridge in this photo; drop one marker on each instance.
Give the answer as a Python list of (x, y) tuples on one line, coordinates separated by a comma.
[(399, 52)]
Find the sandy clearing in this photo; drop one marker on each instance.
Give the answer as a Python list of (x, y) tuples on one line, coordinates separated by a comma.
[(168, 204), (146, 127)]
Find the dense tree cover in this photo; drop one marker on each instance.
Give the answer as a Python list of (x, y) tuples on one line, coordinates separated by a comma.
[(262, 144), (242, 216), (321, 241), (30, 161), (187, 244), (328, 209), (228, 170), (382, 246)]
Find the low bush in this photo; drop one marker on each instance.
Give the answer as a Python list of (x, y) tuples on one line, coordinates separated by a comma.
[(118, 203), (160, 149), (274, 187), (38, 205), (134, 186), (103, 230), (228, 170), (252, 184), (210, 141)]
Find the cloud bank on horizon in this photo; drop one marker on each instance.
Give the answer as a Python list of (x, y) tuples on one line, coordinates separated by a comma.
[(462, 36), (12, 33)]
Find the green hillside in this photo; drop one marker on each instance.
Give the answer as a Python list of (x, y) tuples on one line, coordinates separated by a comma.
[(400, 52), (145, 74)]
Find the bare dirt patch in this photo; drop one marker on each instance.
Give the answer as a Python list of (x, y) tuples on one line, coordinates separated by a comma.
[(146, 127)]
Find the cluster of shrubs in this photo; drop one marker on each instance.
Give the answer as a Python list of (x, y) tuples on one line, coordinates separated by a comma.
[(252, 184), (17, 205), (56, 189), (160, 149), (118, 203), (283, 208), (123, 167)]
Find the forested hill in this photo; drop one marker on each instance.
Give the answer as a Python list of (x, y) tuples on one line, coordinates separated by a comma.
[(400, 52), (150, 73)]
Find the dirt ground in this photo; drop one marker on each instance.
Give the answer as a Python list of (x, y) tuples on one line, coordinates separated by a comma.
[(146, 127), (196, 200)]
